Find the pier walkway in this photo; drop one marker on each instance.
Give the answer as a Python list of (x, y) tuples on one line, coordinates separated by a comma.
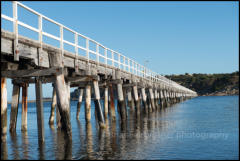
[(26, 61)]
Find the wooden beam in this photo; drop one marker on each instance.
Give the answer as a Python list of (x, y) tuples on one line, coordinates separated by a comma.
[(112, 106), (24, 106), (130, 99), (8, 66), (31, 80), (63, 105), (105, 102), (79, 102), (14, 108), (137, 101), (152, 98), (32, 72), (98, 104), (54, 102), (3, 109), (156, 99), (88, 104), (39, 106), (144, 99), (83, 78), (121, 102)]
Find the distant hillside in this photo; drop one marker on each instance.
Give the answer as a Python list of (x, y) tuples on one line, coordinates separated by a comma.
[(209, 84), (203, 84)]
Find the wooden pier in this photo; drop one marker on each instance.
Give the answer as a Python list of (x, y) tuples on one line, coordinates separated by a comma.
[(27, 61)]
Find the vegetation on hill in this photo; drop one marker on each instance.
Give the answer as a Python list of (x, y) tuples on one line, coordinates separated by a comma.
[(203, 84), (209, 84)]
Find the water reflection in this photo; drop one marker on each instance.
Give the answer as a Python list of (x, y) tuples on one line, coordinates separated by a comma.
[(81, 132), (107, 140), (89, 140), (144, 130), (25, 144), (113, 135), (41, 148), (132, 139), (14, 145), (4, 151), (64, 146), (113, 141)]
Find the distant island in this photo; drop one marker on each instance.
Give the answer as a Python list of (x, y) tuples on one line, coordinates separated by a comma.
[(209, 84)]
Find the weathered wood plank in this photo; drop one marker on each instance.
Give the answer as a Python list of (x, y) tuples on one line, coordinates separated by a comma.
[(68, 62), (32, 72), (55, 59), (8, 66), (43, 58), (6, 46), (27, 51)]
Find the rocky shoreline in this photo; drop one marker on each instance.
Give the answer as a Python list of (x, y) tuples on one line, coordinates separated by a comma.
[(223, 93)]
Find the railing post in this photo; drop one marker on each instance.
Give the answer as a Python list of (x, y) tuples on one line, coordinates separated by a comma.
[(15, 26), (40, 39), (128, 65), (137, 69), (124, 67), (105, 56), (112, 58), (40, 30), (133, 66), (119, 61), (97, 54), (76, 52), (61, 43)]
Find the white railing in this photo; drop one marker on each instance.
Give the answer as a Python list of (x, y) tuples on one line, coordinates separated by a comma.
[(127, 65)]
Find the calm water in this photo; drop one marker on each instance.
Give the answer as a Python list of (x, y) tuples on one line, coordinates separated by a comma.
[(200, 128)]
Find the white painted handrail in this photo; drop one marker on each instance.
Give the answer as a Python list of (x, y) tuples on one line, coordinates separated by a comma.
[(126, 64)]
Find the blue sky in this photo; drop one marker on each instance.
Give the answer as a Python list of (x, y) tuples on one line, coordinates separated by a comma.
[(175, 37)]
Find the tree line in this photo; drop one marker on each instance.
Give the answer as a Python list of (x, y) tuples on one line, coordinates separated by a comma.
[(205, 84)]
